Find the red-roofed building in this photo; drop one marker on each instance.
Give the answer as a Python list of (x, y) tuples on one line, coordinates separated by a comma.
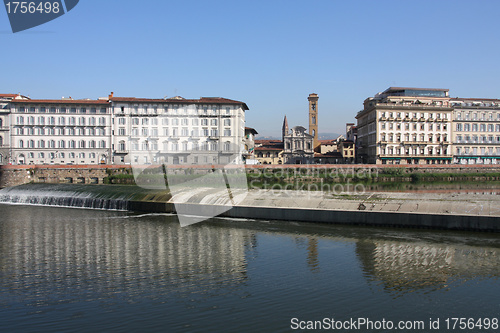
[(209, 130), (269, 151)]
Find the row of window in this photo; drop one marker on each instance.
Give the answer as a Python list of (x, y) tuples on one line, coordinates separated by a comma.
[(414, 151), (61, 121), (415, 127), (200, 110), (73, 144), (60, 131), (477, 127), (174, 121), (181, 159), (175, 147), (174, 132), (481, 151), (43, 109), (416, 115), (471, 115), (478, 139), (415, 138)]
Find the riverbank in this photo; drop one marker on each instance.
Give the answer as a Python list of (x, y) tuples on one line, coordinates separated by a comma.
[(259, 176), (474, 209)]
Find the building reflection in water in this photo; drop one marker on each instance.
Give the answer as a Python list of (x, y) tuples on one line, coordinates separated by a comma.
[(116, 255), (402, 267), (53, 254)]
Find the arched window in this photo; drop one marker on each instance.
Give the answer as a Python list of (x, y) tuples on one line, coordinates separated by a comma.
[(21, 143), (1, 141), (1, 122)]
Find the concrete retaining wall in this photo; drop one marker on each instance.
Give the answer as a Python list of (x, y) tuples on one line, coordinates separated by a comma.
[(374, 219)]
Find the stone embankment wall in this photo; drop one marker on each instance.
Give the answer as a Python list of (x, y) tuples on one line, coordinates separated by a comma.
[(12, 175), (60, 174)]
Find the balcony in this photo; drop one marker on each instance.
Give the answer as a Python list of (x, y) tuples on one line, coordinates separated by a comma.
[(411, 156)]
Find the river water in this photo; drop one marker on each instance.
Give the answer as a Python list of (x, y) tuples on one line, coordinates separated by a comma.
[(78, 270)]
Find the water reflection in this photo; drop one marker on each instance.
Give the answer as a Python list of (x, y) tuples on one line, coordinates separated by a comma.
[(403, 267), (128, 272), (54, 253)]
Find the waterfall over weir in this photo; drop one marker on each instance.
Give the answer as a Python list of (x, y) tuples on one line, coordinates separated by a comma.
[(70, 195)]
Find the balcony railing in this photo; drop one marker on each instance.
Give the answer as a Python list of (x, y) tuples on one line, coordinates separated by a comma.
[(415, 155), (408, 142)]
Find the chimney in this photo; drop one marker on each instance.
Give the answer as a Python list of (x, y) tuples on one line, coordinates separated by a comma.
[(111, 95)]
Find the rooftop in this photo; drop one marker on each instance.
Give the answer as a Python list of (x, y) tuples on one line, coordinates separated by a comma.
[(61, 101), (415, 92), (178, 99)]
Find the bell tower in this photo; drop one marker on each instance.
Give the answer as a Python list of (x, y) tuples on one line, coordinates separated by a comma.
[(313, 117)]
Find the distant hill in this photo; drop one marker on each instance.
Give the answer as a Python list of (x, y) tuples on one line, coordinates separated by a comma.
[(321, 136), (328, 136), (267, 138)]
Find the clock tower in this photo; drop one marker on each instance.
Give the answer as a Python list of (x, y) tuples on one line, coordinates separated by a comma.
[(313, 118)]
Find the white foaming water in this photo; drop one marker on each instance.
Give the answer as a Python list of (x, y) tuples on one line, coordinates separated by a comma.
[(61, 196)]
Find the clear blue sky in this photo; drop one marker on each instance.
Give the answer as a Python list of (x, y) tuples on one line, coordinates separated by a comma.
[(269, 54)]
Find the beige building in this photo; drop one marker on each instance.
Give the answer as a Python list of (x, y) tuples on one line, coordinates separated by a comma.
[(347, 150), (269, 151), (476, 130), (406, 126)]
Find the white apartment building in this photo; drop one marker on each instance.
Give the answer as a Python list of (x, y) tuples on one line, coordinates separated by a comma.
[(63, 131), (476, 130), (209, 130), (406, 126)]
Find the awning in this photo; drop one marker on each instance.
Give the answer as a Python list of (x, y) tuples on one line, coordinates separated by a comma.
[(438, 158)]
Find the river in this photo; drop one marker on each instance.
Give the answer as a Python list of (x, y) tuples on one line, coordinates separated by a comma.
[(80, 270)]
